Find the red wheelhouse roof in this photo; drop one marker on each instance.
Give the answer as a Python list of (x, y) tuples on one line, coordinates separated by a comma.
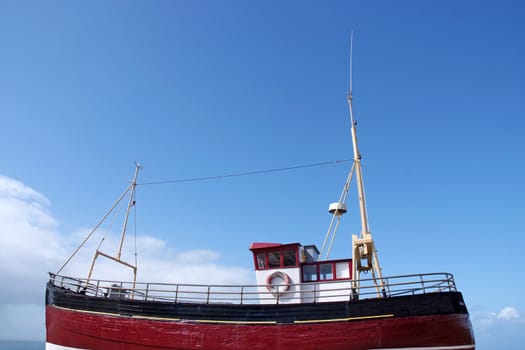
[(264, 245)]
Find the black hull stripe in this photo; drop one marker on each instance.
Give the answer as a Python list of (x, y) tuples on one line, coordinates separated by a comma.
[(402, 306)]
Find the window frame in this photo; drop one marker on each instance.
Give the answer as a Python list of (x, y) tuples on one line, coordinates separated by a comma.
[(333, 263), (280, 250)]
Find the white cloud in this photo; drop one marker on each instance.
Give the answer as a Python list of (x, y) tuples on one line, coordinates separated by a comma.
[(157, 262), (10, 188), (194, 256), (31, 244), (488, 324), (500, 330), (508, 313), (24, 217), (28, 241)]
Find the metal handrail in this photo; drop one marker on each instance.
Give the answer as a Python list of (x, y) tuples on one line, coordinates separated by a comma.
[(253, 294)]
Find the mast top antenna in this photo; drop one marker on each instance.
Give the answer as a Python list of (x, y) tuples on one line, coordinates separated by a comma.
[(351, 45), (349, 97)]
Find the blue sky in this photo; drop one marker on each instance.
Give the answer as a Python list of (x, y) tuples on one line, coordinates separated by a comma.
[(201, 88)]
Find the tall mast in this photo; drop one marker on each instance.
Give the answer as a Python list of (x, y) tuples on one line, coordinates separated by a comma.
[(364, 257), (131, 203), (117, 258), (357, 155), (358, 170)]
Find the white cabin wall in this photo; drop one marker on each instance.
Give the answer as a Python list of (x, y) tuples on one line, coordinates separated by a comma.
[(333, 291), (292, 295), (298, 292)]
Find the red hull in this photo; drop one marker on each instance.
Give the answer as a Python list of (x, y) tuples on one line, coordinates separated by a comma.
[(102, 332)]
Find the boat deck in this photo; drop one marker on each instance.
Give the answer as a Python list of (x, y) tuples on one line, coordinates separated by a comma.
[(256, 294)]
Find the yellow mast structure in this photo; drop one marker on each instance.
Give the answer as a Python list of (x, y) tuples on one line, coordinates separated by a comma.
[(364, 254)]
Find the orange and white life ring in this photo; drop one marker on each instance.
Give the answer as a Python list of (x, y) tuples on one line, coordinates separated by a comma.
[(278, 289)]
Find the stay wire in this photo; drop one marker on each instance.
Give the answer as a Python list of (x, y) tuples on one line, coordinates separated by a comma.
[(247, 173), (135, 228)]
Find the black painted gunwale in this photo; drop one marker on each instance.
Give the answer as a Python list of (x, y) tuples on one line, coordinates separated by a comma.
[(438, 303)]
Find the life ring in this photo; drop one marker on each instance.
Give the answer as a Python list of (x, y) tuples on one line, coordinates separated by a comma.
[(278, 289)]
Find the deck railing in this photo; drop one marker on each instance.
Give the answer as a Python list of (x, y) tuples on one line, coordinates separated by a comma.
[(255, 294)]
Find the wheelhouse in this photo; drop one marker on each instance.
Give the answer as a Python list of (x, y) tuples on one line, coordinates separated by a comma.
[(289, 270)]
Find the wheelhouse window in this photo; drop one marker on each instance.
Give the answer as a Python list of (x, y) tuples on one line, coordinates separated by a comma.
[(309, 273), (327, 270), (261, 261), (290, 257), (343, 269), (276, 257)]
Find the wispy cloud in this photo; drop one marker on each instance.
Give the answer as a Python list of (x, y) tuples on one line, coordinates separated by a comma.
[(31, 245), (28, 241), (11, 188), (505, 315), (501, 329), (508, 313)]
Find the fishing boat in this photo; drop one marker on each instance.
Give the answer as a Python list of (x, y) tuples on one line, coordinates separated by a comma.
[(302, 299)]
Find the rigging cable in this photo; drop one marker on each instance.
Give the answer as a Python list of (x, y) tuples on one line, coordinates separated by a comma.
[(247, 173), (135, 226)]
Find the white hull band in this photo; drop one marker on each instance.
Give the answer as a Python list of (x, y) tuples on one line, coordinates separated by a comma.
[(51, 346)]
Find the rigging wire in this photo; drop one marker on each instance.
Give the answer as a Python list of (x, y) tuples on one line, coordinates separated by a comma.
[(135, 228), (247, 173), (94, 229)]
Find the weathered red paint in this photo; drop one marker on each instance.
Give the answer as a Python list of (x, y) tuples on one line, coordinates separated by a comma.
[(102, 332)]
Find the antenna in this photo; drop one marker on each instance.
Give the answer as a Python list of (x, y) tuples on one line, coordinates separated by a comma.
[(349, 97), (364, 257), (337, 209), (351, 46)]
